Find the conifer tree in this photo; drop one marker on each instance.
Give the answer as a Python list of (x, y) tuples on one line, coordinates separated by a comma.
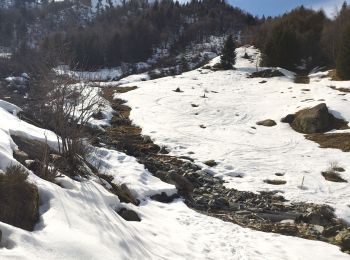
[(343, 59), (228, 57), (281, 48)]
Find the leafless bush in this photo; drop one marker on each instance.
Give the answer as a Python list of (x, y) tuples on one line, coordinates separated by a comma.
[(19, 200), (65, 107)]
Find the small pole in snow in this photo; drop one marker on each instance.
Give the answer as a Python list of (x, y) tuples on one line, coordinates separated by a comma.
[(302, 182)]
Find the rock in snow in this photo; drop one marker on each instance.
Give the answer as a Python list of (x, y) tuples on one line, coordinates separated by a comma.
[(267, 122), (314, 120)]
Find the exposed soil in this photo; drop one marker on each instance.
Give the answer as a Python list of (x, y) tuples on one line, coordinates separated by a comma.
[(344, 90), (339, 141), (264, 211)]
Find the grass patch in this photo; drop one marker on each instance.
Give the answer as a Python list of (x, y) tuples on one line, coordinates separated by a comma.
[(19, 200), (332, 173), (339, 141), (108, 92), (345, 90), (124, 89), (128, 130)]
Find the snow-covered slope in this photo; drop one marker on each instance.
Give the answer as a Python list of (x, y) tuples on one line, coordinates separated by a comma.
[(223, 128), (79, 219)]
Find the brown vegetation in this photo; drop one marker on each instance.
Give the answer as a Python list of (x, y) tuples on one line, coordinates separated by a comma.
[(339, 141), (19, 200), (345, 90)]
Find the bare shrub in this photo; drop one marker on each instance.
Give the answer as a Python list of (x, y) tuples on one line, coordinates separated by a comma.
[(332, 173), (19, 200), (66, 107)]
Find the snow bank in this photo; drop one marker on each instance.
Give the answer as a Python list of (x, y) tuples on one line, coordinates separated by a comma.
[(126, 170)]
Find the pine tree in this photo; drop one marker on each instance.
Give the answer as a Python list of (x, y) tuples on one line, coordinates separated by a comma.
[(343, 59), (344, 7), (183, 65), (228, 57), (281, 48)]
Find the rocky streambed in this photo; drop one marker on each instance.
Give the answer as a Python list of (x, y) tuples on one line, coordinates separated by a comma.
[(201, 191)]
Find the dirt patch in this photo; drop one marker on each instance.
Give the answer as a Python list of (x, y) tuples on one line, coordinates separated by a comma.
[(339, 141), (344, 90)]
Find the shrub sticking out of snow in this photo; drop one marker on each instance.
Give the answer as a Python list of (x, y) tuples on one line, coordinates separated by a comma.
[(19, 200)]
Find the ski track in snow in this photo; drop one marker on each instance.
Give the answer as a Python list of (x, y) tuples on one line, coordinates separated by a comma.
[(229, 115)]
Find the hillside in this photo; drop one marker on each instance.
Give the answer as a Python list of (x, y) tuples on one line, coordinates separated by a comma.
[(222, 127), (164, 130), (78, 215)]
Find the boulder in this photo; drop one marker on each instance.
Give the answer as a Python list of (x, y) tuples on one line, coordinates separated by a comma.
[(20, 156), (314, 120), (268, 73), (33, 148), (333, 176), (182, 184), (219, 203), (288, 119), (127, 196), (164, 150), (267, 122), (211, 163), (319, 215), (164, 198), (123, 193), (332, 230), (343, 238), (129, 215)]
